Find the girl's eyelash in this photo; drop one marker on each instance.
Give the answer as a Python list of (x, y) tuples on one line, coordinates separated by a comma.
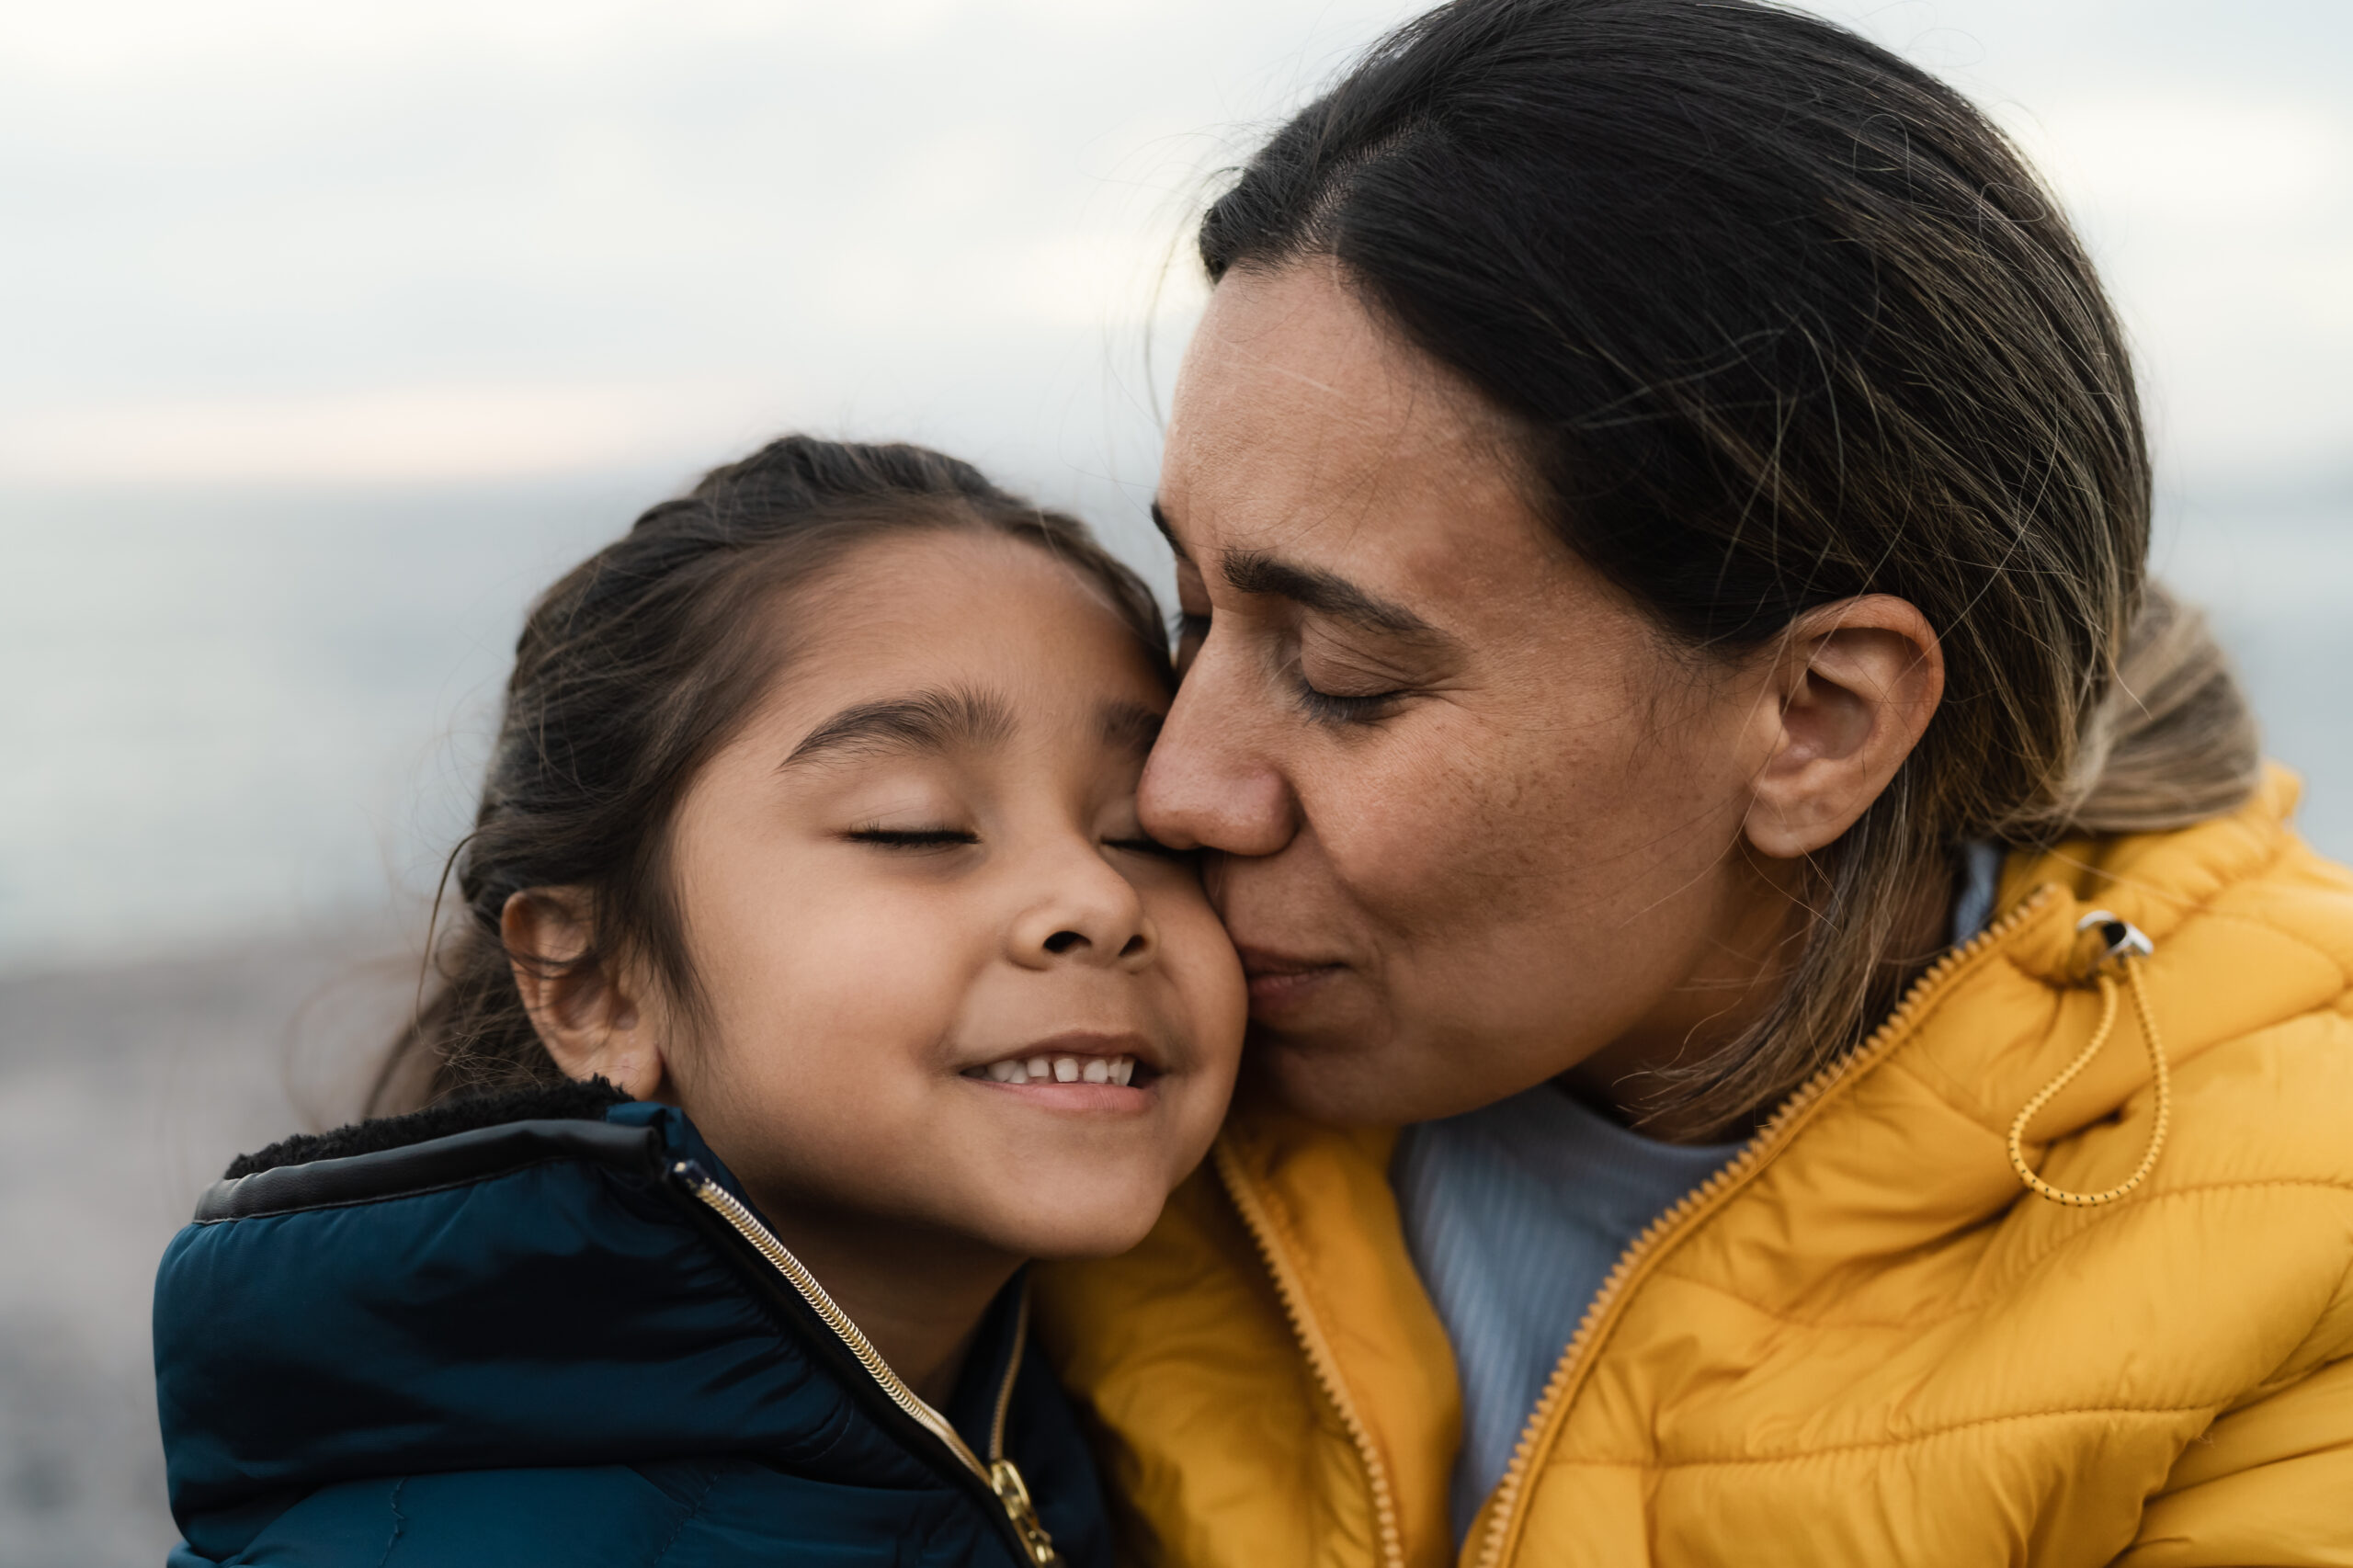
[(912, 837), (942, 838), (1143, 846)]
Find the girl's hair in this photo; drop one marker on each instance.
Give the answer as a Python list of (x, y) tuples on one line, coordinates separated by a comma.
[(1784, 320), (631, 672)]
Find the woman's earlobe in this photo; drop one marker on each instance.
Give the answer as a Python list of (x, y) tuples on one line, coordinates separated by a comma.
[(1854, 687), (584, 1010)]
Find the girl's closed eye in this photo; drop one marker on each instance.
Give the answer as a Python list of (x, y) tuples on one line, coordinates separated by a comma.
[(913, 837), (1142, 843)]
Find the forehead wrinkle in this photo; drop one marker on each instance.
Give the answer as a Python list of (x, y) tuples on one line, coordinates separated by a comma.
[(936, 722)]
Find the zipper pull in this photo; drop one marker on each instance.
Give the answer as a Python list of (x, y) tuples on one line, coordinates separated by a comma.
[(2121, 944), (690, 1175), (1014, 1493)]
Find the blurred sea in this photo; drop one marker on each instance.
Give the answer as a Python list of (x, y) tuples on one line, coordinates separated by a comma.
[(238, 730), (245, 712), (232, 712), (236, 714)]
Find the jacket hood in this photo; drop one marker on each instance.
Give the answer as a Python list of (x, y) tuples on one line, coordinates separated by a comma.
[(531, 1289)]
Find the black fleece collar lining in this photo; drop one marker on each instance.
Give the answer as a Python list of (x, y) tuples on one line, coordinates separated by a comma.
[(540, 1102)]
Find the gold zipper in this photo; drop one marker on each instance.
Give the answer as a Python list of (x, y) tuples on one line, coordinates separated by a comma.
[(1710, 1194), (1319, 1353), (999, 1475), (1004, 1479)]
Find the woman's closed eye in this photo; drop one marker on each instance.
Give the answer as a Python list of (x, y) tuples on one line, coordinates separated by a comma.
[(1346, 708), (1338, 680), (1340, 689)]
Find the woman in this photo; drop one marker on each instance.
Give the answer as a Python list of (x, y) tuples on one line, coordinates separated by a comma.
[(1680, 727)]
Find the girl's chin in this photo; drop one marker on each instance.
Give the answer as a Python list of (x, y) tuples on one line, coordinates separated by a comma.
[(1066, 1236)]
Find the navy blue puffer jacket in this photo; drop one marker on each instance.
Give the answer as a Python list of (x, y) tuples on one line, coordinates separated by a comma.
[(548, 1330)]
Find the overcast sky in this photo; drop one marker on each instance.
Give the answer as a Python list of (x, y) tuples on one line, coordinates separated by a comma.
[(331, 329), (433, 239)]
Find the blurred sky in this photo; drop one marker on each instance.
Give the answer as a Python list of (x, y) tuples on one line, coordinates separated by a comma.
[(271, 239), (330, 328)]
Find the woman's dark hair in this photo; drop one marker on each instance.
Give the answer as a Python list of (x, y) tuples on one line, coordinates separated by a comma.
[(631, 672), (1783, 320)]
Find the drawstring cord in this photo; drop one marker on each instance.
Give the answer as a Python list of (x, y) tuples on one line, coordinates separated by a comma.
[(2126, 945)]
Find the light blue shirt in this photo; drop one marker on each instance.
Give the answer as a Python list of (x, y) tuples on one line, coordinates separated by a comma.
[(1514, 1213)]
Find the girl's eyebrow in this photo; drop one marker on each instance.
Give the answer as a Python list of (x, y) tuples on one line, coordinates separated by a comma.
[(920, 722)]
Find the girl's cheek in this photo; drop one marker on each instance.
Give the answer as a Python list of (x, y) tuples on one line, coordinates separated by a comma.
[(804, 990), (1208, 977)]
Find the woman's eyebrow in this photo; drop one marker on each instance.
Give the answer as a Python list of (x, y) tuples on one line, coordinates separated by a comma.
[(1160, 521), (920, 722), (1326, 593)]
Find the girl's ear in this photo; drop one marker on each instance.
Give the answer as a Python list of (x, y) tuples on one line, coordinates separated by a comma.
[(592, 1018)]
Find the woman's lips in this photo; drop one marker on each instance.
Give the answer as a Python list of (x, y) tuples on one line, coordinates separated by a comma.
[(1281, 983)]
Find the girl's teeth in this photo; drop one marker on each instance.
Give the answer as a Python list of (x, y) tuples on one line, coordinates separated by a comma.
[(1118, 1070)]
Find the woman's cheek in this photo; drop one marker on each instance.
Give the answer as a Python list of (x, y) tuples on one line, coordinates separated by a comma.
[(1417, 841)]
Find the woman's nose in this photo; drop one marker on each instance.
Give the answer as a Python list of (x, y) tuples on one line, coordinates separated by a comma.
[(1090, 914), (1206, 787)]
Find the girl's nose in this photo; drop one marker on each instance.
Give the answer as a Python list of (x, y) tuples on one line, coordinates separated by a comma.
[(1089, 915), (1207, 784)]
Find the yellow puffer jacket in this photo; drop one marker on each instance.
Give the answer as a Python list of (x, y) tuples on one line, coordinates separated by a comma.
[(1864, 1343)]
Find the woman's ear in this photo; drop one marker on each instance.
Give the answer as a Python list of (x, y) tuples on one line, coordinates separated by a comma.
[(1851, 691), (592, 1018)]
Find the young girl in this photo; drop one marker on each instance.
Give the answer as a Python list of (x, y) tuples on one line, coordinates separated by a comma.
[(813, 974)]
